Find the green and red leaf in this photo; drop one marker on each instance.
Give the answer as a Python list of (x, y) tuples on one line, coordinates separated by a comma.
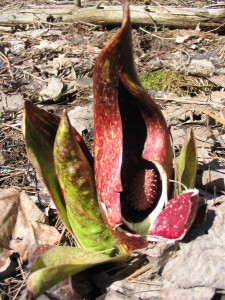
[(60, 262), (39, 130), (76, 179)]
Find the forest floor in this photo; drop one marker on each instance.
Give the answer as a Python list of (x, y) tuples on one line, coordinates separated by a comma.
[(51, 64)]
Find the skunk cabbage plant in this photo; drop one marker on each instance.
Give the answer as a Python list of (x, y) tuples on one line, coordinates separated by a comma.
[(133, 157), (121, 199)]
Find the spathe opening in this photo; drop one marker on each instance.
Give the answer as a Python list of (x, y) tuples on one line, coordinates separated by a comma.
[(140, 178)]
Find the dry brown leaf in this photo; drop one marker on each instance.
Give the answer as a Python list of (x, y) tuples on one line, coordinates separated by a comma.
[(203, 257), (218, 80), (9, 202), (218, 96), (23, 226), (53, 90)]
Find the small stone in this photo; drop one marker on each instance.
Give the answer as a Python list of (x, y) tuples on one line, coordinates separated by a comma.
[(201, 67)]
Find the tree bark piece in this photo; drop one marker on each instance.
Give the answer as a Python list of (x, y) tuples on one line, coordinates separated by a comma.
[(166, 16)]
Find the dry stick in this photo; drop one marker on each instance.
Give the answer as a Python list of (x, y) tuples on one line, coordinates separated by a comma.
[(138, 272), (10, 176), (215, 29), (165, 38), (88, 24), (25, 178), (21, 268), (157, 283), (30, 74), (159, 5), (215, 83), (158, 37), (11, 168), (190, 102), (188, 55), (20, 287), (218, 119), (146, 291), (5, 59), (203, 140), (217, 157), (13, 127), (61, 235)]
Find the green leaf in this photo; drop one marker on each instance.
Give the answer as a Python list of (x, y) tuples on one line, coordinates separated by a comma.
[(187, 163), (77, 182), (39, 130), (60, 262)]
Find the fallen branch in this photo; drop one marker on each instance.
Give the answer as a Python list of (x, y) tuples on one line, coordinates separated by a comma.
[(157, 16)]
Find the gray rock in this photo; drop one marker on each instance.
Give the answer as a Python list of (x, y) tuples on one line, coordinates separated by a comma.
[(203, 293), (202, 67), (12, 102)]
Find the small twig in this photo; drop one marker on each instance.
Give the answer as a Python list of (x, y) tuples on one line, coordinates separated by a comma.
[(61, 235), (215, 29), (157, 283), (217, 157), (138, 272), (13, 127), (32, 75), (20, 287), (25, 178), (156, 3), (190, 102), (11, 168), (158, 37), (5, 59), (94, 26), (146, 291), (153, 20), (10, 176), (159, 5), (203, 140), (218, 119), (98, 5), (180, 184), (188, 55), (21, 269)]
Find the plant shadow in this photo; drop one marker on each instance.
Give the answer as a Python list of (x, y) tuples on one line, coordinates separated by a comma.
[(203, 222)]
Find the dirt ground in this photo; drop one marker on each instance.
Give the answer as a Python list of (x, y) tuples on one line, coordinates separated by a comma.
[(52, 63)]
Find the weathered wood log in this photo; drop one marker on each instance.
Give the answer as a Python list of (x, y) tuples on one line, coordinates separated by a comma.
[(165, 16)]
